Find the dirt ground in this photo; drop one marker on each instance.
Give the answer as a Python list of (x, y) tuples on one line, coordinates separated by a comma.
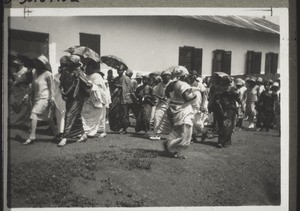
[(130, 171)]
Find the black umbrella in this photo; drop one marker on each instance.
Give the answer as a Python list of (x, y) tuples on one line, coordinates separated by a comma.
[(114, 62)]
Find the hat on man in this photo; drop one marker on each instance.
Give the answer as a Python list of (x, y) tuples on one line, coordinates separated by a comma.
[(166, 72), (251, 79), (75, 59), (180, 71), (138, 75), (239, 82), (259, 79), (64, 60)]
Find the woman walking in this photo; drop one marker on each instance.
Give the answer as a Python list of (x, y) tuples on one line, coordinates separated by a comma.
[(225, 108), (94, 108), (181, 113), (42, 97), (75, 89)]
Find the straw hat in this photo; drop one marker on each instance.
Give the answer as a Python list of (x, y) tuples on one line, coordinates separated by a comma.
[(41, 62)]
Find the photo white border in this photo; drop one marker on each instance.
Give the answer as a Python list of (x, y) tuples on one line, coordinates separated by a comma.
[(282, 13)]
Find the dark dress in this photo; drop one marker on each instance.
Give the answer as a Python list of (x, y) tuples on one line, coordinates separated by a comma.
[(144, 105), (225, 110), (115, 108), (74, 88), (121, 102), (266, 108)]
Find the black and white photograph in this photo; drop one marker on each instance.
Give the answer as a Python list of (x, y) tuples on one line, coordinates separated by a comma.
[(153, 108)]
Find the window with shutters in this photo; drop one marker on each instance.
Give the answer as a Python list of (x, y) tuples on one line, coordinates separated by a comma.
[(221, 61), (253, 62), (90, 40), (191, 58), (271, 64)]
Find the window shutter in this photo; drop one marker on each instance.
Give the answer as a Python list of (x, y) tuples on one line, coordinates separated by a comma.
[(256, 63), (186, 55), (189, 55), (249, 62), (197, 60), (274, 63), (181, 56), (227, 62), (271, 63), (217, 60)]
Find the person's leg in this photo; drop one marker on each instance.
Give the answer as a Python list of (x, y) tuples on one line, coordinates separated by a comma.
[(60, 120), (252, 116), (33, 129), (73, 112), (32, 132), (124, 117), (53, 126), (102, 123), (183, 141)]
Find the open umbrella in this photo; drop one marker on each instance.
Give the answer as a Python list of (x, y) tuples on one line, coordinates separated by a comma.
[(84, 51), (114, 62)]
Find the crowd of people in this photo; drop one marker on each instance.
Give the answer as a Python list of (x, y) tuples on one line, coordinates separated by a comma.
[(79, 101)]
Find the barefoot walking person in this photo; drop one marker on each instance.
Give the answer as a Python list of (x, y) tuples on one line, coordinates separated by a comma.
[(180, 112)]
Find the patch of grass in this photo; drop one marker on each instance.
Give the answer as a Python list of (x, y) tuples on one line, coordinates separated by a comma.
[(139, 164), (48, 184)]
